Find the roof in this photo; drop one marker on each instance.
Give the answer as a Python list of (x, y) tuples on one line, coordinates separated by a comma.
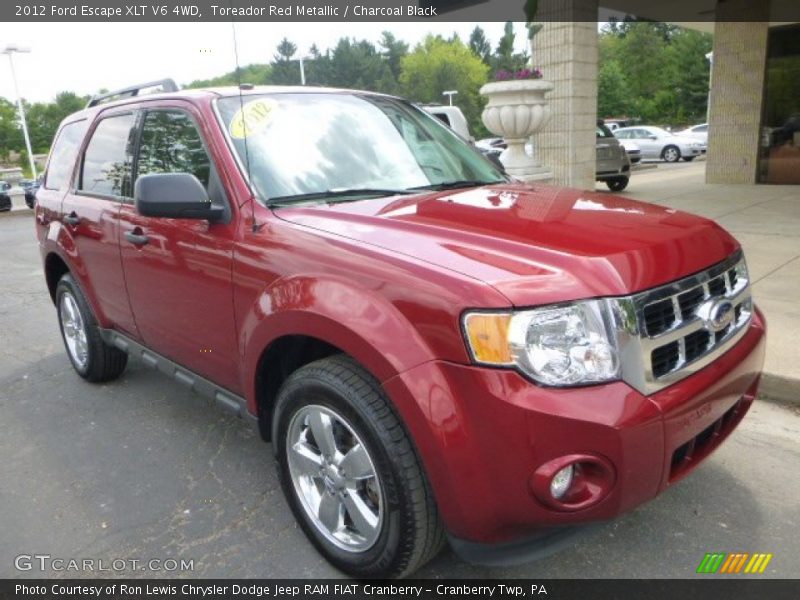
[(219, 92)]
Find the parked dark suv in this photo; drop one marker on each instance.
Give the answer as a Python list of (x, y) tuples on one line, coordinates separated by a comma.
[(435, 352)]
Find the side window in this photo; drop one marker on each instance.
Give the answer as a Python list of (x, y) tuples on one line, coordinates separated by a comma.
[(623, 135), (701, 128), (170, 143), (63, 155), (106, 162)]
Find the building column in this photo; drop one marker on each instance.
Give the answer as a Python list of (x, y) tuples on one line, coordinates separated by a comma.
[(565, 49), (737, 88)]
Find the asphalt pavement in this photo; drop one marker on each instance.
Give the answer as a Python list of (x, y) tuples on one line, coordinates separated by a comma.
[(143, 469)]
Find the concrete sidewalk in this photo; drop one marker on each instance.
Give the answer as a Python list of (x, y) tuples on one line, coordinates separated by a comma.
[(766, 220)]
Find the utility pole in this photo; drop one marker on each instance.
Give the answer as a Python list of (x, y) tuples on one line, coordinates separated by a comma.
[(10, 50), (450, 94)]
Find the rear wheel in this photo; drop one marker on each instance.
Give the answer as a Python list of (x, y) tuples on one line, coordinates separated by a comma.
[(92, 358), (351, 474), (671, 154), (617, 184)]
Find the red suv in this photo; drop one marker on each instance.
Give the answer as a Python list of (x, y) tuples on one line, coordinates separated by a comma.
[(436, 352)]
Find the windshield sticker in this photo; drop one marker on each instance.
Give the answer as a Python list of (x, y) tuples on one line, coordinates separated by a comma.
[(252, 118)]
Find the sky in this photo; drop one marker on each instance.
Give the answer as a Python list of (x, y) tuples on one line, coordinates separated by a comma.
[(84, 57)]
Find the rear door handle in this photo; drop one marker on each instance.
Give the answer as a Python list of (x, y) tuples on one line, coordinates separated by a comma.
[(72, 219), (136, 237)]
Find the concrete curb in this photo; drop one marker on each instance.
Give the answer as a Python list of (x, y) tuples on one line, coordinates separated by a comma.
[(779, 389)]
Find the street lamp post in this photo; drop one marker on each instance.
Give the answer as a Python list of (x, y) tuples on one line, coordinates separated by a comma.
[(10, 50), (450, 94), (302, 69)]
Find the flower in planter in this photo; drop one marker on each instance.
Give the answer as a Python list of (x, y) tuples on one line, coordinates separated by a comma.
[(503, 75)]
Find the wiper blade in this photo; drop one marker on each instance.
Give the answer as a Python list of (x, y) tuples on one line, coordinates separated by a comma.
[(337, 193), (460, 183)]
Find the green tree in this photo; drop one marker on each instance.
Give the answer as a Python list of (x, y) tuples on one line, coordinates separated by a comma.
[(504, 57), (437, 65), (285, 70), (613, 91), (687, 53), (10, 131), (654, 71), (358, 64), (480, 45), (393, 51)]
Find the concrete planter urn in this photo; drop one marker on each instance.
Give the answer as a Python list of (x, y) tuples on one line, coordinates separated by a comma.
[(516, 110)]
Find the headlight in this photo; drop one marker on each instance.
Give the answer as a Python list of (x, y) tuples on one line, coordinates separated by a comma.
[(558, 345)]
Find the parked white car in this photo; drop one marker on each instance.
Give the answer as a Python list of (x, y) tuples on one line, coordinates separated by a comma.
[(634, 152), (698, 132), (655, 142)]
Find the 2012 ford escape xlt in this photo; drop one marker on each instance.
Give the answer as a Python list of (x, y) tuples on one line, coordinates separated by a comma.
[(436, 352)]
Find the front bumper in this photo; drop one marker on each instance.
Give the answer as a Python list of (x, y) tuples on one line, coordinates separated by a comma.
[(483, 432)]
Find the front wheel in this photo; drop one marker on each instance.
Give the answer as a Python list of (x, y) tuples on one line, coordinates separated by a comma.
[(617, 184), (351, 474), (671, 154)]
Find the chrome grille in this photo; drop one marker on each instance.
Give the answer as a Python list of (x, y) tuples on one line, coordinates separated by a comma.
[(672, 331)]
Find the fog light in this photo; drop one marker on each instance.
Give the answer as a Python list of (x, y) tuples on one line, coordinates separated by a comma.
[(561, 482)]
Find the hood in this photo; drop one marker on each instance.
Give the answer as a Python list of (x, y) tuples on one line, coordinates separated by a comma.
[(535, 245)]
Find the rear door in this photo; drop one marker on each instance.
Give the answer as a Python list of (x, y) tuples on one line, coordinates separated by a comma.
[(180, 279), (90, 216)]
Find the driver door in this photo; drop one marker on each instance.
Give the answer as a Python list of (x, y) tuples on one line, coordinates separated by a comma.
[(178, 271)]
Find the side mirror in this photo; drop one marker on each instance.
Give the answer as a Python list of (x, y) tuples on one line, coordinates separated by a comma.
[(174, 196)]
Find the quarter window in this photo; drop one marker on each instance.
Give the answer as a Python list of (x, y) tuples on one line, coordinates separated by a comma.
[(106, 163), (170, 143), (63, 155)]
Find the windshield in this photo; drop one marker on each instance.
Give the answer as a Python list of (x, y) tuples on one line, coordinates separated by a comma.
[(315, 146), (603, 131)]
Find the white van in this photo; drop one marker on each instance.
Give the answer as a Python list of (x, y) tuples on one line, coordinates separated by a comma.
[(452, 117)]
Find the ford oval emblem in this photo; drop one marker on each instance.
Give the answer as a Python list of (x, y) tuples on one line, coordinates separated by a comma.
[(720, 314)]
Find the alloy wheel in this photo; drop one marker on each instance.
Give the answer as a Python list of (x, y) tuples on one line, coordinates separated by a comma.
[(335, 478), (74, 328)]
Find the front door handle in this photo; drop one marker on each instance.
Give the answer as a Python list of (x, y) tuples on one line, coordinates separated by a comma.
[(136, 237), (72, 219)]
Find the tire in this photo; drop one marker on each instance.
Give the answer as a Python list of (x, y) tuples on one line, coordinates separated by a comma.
[(617, 184), (689, 158), (405, 531), (91, 357), (671, 154)]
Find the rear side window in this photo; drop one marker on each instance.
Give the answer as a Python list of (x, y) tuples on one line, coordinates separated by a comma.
[(63, 155), (106, 162), (170, 143)]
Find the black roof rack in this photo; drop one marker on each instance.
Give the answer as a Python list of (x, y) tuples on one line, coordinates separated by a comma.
[(166, 85)]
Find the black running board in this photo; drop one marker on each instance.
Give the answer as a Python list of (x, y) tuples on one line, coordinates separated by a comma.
[(227, 400)]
